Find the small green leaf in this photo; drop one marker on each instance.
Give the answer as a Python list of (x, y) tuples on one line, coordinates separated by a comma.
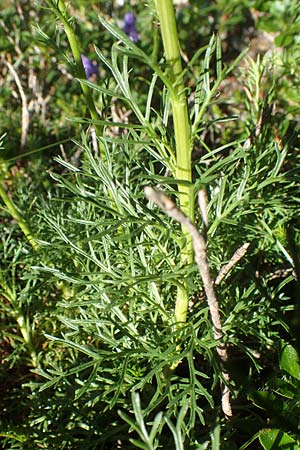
[(264, 400), (274, 439), (284, 39), (13, 435), (139, 444), (289, 361)]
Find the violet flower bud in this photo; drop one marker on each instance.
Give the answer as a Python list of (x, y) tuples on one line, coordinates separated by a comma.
[(129, 26), (90, 67)]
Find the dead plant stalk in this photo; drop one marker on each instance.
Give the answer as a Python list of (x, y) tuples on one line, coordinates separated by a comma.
[(199, 245)]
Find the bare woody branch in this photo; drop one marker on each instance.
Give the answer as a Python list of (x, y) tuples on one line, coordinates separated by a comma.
[(199, 244)]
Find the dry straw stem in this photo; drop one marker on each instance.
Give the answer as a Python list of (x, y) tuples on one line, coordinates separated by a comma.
[(199, 245), (25, 112)]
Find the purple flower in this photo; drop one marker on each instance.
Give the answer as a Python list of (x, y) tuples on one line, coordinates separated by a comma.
[(90, 67), (129, 26)]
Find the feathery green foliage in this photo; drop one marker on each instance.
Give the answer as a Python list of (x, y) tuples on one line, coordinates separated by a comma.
[(95, 279)]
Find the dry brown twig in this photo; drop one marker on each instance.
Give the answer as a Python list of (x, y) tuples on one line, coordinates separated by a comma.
[(202, 202), (238, 254), (199, 245)]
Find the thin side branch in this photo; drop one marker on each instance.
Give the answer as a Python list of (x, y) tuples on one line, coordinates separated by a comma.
[(199, 244), (238, 254), (202, 202)]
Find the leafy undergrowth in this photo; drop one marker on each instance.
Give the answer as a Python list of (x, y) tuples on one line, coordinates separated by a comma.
[(92, 273)]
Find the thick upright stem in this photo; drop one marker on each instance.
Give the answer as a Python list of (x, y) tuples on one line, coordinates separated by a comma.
[(182, 132)]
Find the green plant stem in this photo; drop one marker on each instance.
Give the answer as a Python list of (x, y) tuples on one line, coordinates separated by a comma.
[(23, 324), (21, 320), (60, 10), (27, 336), (182, 130), (17, 216)]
